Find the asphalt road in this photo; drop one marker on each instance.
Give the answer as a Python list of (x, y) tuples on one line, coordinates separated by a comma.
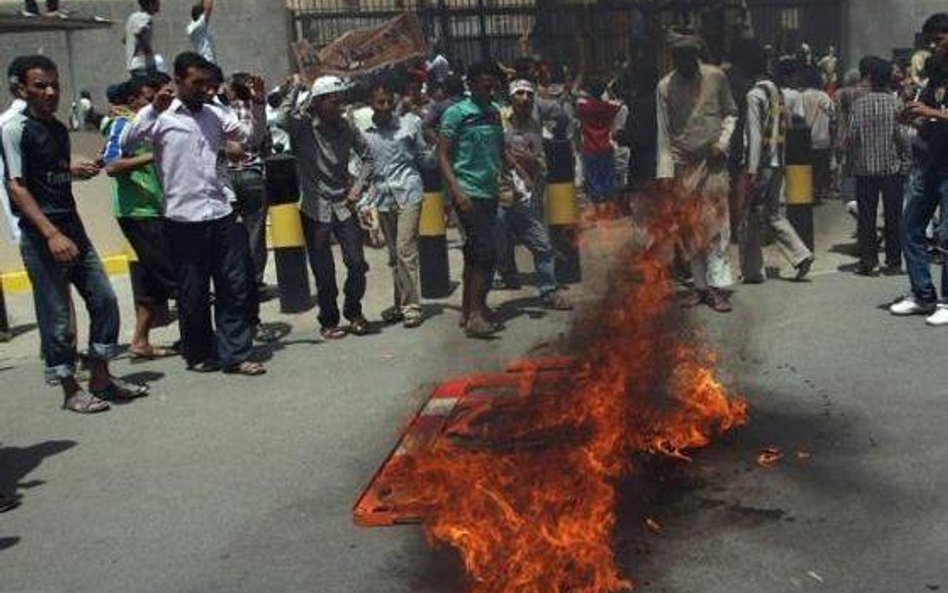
[(225, 484)]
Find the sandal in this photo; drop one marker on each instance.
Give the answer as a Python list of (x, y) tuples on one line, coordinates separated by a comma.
[(8, 503), (247, 369), (359, 326), (332, 333), (392, 315), (151, 353), (81, 402), (207, 366), (120, 391)]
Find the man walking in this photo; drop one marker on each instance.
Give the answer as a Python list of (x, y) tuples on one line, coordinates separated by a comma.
[(207, 241), (398, 148), (928, 188), (696, 118), (875, 144), (764, 128), (470, 154), (323, 142), (56, 250)]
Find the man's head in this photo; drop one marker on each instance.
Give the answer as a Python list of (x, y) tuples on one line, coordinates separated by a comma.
[(382, 101), (150, 6), (482, 79), (240, 86), (685, 53), (197, 10), (879, 74), (193, 78), (35, 80), (138, 92), (522, 96), (327, 98), (935, 33)]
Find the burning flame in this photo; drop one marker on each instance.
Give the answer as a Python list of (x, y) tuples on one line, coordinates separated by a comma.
[(540, 519)]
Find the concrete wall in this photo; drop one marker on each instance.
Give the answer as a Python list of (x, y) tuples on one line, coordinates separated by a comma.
[(879, 26), (249, 34)]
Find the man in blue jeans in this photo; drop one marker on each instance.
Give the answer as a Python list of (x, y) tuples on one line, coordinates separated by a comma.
[(56, 251), (519, 215), (928, 188)]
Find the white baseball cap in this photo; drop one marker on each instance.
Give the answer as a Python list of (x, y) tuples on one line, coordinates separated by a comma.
[(327, 85)]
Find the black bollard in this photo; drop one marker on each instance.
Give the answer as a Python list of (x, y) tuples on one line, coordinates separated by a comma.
[(434, 268), (286, 233), (4, 322), (562, 212), (800, 182)]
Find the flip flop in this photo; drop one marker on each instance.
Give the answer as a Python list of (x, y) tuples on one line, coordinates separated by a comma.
[(247, 369), (82, 402), (154, 353), (113, 392), (332, 333)]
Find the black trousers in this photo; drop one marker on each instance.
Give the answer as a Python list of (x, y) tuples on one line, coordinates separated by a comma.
[(251, 190), (867, 198), (155, 278), (51, 5), (205, 251), (319, 249)]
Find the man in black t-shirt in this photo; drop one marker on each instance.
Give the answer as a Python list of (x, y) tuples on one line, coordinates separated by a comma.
[(56, 251)]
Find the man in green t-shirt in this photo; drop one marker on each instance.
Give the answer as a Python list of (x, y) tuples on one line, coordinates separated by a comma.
[(138, 205), (471, 150)]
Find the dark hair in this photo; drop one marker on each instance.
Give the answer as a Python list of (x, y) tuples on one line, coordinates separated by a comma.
[(156, 80), (146, 4), (880, 74), (240, 84), (453, 86), (750, 55), (596, 87), (812, 78), (135, 85), (117, 94), (187, 60), (23, 64), (381, 84), (935, 24), (217, 75), (482, 69), (197, 10), (274, 99)]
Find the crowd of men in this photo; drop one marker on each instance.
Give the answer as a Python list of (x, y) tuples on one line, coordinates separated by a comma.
[(188, 153)]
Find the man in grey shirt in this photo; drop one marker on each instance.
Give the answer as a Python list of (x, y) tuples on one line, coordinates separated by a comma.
[(323, 142)]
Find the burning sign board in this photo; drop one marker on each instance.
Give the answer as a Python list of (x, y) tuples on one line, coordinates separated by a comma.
[(520, 470)]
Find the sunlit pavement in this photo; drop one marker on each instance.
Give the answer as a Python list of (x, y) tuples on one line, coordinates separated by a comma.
[(245, 485)]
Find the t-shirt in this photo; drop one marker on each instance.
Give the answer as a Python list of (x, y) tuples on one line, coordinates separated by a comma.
[(138, 22), (137, 193), (199, 32), (596, 119), (477, 138), (37, 152), (932, 149)]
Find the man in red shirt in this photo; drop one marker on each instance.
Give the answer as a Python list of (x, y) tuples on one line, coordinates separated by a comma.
[(597, 118)]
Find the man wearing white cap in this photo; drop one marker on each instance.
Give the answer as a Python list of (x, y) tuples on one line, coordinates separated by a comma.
[(696, 118), (323, 142)]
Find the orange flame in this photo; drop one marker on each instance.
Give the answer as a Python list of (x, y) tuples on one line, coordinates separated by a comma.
[(529, 519)]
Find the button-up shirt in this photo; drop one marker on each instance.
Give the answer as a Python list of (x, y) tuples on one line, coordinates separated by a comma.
[(875, 141), (257, 148), (186, 147), (323, 151), (397, 148)]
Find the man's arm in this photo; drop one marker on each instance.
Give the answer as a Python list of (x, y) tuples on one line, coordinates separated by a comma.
[(141, 129), (447, 172), (729, 123), (60, 246), (208, 9), (753, 133), (112, 154), (666, 161), (361, 149)]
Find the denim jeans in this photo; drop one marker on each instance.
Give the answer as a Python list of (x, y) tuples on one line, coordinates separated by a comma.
[(204, 251), (51, 297), (926, 191), (319, 249), (251, 190), (521, 222)]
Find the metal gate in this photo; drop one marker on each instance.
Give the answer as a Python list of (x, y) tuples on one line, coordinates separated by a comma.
[(785, 24), (616, 31)]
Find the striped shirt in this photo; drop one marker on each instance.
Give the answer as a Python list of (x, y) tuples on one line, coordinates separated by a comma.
[(875, 143)]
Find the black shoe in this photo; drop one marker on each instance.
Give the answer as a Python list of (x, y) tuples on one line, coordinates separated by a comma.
[(803, 268), (208, 366), (870, 272)]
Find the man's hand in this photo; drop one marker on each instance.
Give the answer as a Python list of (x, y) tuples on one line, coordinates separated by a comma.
[(353, 196), (62, 248), (716, 154), (84, 170), (920, 110), (258, 89), (463, 202), (163, 98)]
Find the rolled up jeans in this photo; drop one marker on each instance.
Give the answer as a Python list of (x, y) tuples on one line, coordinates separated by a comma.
[(51, 282)]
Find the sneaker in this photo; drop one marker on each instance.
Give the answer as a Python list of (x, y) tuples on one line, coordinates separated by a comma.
[(910, 306), (556, 301), (27, 13), (803, 268), (939, 317), (870, 272), (852, 209)]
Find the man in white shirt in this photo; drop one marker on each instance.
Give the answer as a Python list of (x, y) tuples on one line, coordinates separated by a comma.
[(140, 58), (13, 222), (207, 240), (199, 30)]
